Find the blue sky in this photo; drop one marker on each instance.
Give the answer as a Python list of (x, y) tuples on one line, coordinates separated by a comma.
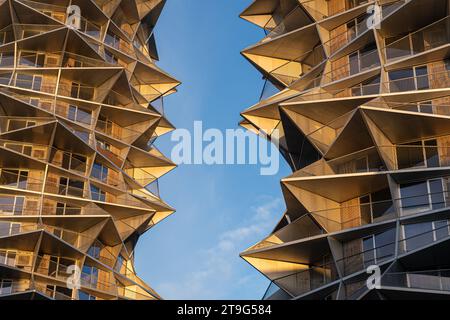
[(221, 210)]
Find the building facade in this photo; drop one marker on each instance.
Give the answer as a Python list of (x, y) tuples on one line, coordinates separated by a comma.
[(81, 104), (359, 91)]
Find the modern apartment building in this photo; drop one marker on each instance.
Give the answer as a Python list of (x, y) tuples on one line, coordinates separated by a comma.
[(360, 93), (81, 104)]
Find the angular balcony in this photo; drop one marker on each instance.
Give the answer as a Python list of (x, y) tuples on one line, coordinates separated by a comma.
[(357, 69), (75, 113), (8, 229), (68, 161), (293, 20), (421, 41), (7, 60), (348, 217), (19, 179), (118, 44), (436, 280), (115, 131), (299, 283), (11, 286)]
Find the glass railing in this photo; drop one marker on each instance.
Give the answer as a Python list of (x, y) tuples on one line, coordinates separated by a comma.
[(90, 29), (67, 160), (438, 280), (14, 286), (118, 44), (434, 80), (353, 216), (73, 113), (342, 39), (368, 160), (114, 130), (12, 179), (432, 36), (6, 60), (274, 292), (292, 70), (290, 22), (14, 228), (301, 282)]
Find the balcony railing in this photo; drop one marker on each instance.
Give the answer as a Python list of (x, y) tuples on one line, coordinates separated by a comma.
[(438, 280), (290, 21), (432, 36), (301, 282), (353, 216), (114, 130), (14, 286), (363, 62)]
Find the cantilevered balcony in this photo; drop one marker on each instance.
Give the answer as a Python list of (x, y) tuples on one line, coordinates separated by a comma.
[(296, 284), (421, 41), (295, 19)]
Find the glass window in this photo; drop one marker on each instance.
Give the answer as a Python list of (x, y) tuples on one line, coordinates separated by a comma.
[(441, 229), (414, 197), (437, 194), (385, 243), (422, 78), (417, 235), (369, 252), (85, 296), (432, 154), (97, 194), (402, 80)]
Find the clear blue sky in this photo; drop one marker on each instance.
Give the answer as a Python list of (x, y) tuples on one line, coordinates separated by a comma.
[(221, 210)]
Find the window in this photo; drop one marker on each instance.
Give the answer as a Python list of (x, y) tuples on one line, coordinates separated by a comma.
[(418, 154), (15, 124), (32, 59), (14, 178), (6, 287), (120, 263), (85, 296), (100, 172), (95, 249), (89, 275), (71, 161), (28, 81), (409, 79), (421, 234), (6, 59), (70, 187), (422, 196), (8, 257), (79, 91), (376, 206), (378, 247), (364, 59), (65, 209), (78, 114), (57, 292), (11, 205), (9, 228), (97, 194), (369, 87)]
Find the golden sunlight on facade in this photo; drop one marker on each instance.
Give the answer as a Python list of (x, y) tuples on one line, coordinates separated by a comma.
[(81, 103), (362, 102)]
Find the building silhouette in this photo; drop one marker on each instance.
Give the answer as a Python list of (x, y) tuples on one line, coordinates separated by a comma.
[(360, 93), (81, 103)]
